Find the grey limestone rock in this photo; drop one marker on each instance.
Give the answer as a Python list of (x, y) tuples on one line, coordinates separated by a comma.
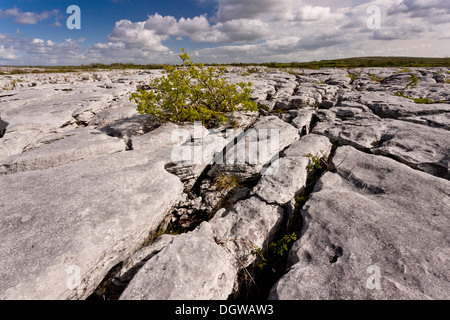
[(192, 267), (287, 177), (62, 148), (88, 215), (375, 229)]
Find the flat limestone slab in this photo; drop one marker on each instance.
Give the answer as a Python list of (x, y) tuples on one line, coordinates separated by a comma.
[(422, 147), (191, 267), (203, 264), (376, 229), (64, 228), (62, 148), (289, 174)]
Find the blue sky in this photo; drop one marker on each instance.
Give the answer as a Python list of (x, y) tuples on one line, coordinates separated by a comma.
[(98, 17), (34, 32)]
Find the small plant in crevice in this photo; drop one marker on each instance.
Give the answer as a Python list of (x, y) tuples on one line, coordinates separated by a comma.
[(318, 162), (417, 100), (269, 265), (354, 75), (252, 70), (280, 248), (162, 230), (12, 85), (300, 201), (413, 81), (375, 77), (277, 250), (404, 70), (401, 94), (426, 101), (295, 220), (258, 253), (271, 261), (295, 73), (278, 111), (226, 182)]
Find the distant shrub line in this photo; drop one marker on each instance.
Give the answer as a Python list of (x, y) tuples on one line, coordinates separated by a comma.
[(365, 62)]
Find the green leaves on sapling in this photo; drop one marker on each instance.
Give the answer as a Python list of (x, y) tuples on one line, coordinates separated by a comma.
[(194, 92)]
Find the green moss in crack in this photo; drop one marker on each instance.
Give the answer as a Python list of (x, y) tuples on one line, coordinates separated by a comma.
[(417, 100)]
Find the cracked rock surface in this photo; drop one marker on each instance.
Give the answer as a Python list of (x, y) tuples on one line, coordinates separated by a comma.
[(373, 211), (88, 185)]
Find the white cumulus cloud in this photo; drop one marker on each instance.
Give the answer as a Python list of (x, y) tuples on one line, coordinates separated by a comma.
[(21, 17), (252, 31)]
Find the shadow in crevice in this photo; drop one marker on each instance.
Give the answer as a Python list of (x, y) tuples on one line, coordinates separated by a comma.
[(3, 126), (115, 282), (131, 126), (256, 281)]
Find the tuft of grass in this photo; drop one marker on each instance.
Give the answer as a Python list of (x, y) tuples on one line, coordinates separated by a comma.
[(253, 70), (404, 70), (13, 83), (295, 73), (375, 78), (279, 110), (352, 76), (234, 124), (227, 181), (300, 201)]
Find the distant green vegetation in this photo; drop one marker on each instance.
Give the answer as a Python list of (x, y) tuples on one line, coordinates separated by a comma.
[(364, 62), (350, 63), (83, 68)]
